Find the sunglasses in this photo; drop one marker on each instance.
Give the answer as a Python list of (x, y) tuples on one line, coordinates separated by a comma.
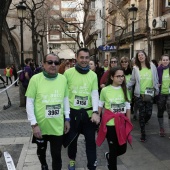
[(113, 61), (120, 76), (123, 61), (50, 62)]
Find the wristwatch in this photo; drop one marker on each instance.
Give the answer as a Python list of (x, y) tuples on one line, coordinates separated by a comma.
[(67, 119), (96, 112), (33, 126)]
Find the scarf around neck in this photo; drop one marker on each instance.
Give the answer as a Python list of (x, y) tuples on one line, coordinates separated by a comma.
[(48, 75), (82, 70)]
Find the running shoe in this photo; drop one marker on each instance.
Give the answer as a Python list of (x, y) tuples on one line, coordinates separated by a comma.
[(106, 155), (143, 138), (71, 165), (162, 132), (44, 167)]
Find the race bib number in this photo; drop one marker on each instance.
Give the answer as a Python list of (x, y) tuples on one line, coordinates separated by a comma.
[(53, 111), (118, 108), (81, 101), (149, 91)]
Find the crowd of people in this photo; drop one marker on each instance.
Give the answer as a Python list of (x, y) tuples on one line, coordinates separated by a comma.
[(64, 101)]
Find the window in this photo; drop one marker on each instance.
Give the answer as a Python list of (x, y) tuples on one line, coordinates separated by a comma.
[(55, 7), (92, 4), (56, 46), (55, 16), (68, 4), (55, 27), (71, 34), (167, 3), (54, 37)]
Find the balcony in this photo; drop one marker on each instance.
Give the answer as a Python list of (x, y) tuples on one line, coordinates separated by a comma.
[(139, 30), (112, 8)]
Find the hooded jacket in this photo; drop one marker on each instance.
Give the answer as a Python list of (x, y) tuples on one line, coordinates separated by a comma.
[(135, 80)]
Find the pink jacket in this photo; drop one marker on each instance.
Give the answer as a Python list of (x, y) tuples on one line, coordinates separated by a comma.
[(122, 124)]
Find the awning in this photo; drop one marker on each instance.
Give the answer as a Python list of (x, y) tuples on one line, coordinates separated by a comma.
[(66, 54), (160, 36)]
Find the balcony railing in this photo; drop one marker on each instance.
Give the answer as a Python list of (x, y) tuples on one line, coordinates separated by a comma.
[(139, 28)]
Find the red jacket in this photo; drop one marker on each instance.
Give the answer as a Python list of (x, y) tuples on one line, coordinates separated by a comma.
[(122, 124), (104, 78)]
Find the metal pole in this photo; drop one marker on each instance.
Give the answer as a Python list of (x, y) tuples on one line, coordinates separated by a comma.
[(95, 51), (22, 44), (132, 50)]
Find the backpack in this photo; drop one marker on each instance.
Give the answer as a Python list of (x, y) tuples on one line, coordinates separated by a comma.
[(22, 76)]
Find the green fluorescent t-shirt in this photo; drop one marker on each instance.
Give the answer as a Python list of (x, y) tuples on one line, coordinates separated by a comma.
[(113, 97), (145, 79), (48, 95), (128, 77), (80, 87), (165, 82)]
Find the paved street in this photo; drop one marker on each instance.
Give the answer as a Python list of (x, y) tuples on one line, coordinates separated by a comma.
[(15, 137)]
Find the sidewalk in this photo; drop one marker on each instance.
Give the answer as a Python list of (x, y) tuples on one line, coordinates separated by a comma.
[(15, 137)]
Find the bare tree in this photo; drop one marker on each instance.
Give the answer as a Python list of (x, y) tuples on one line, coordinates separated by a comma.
[(122, 12), (73, 28)]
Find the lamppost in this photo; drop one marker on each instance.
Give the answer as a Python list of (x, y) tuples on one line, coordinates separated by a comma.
[(133, 12), (21, 11), (81, 44), (95, 36)]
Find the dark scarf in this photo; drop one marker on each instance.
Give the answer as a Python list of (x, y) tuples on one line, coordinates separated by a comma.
[(48, 75), (82, 70), (160, 72), (127, 71)]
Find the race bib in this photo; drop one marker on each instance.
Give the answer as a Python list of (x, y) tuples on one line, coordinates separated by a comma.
[(149, 91), (53, 111), (118, 108), (81, 101)]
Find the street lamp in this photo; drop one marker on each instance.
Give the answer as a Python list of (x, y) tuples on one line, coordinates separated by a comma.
[(95, 36), (133, 12), (81, 44), (21, 11)]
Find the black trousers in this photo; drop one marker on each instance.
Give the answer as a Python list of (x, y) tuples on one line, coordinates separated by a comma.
[(145, 112), (114, 148), (9, 79), (55, 148), (87, 128), (163, 104)]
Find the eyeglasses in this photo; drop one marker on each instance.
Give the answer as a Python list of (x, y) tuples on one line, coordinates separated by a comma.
[(124, 62), (50, 62), (113, 61), (120, 76)]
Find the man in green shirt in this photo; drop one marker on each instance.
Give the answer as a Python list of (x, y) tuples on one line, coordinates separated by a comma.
[(83, 98), (47, 105)]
